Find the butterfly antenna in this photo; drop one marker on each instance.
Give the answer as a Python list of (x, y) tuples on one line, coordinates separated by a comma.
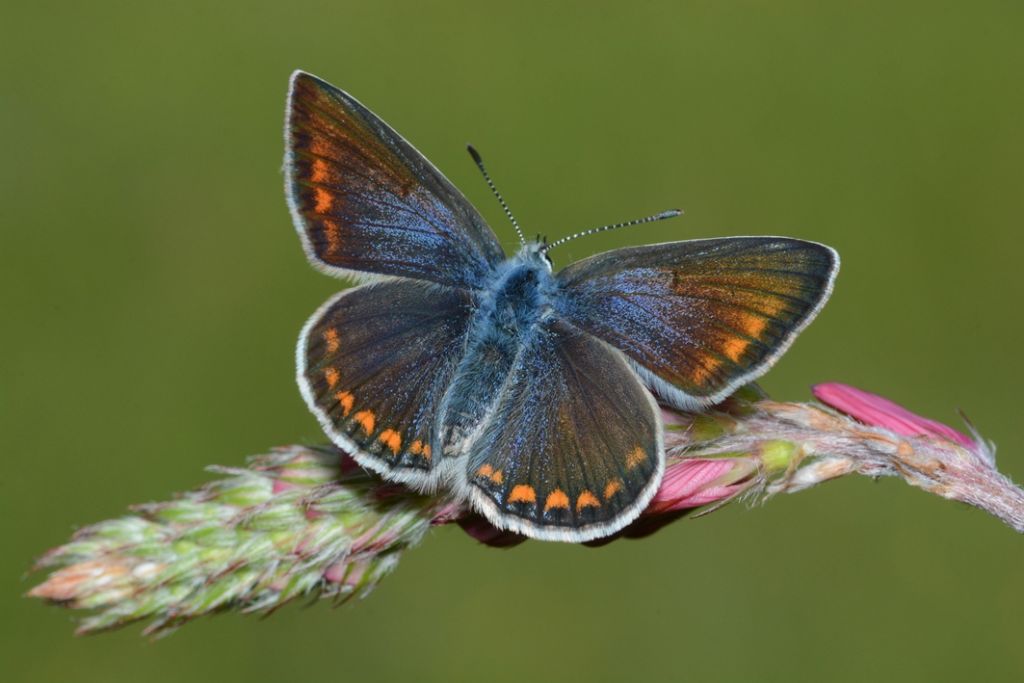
[(480, 164), (671, 213)]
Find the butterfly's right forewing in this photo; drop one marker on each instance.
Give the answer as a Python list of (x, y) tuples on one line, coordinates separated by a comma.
[(365, 201)]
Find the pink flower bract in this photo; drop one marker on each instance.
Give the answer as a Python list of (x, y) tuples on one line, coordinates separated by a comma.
[(874, 410), (696, 482)]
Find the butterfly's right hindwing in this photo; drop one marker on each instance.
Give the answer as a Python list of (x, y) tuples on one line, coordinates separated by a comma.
[(572, 448), (373, 364)]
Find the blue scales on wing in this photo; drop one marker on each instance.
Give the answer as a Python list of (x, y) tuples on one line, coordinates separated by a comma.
[(373, 363), (365, 201), (572, 449)]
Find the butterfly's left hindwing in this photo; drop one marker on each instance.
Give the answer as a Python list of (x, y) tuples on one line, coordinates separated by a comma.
[(373, 363), (572, 450)]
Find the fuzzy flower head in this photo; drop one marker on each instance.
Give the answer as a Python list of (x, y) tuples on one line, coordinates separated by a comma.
[(309, 522)]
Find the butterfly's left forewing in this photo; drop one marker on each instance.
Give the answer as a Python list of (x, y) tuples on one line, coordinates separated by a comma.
[(572, 450), (703, 317)]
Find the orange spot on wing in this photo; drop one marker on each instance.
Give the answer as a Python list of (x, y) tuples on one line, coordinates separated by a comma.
[(557, 499), (332, 340), (587, 499), (734, 348), (487, 471), (753, 325), (636, 457), (772, 306), (391, 439), (704, 372), (331, 375), (323, 199), (320, 171), (332, 231), (420, 448), (611, 488), (321, 148), (366, 419), (346, 400), (522, 493)]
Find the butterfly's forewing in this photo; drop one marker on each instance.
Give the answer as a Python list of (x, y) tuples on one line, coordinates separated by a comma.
[(373, 363), (365, 201), (700, 318), (573, 448)]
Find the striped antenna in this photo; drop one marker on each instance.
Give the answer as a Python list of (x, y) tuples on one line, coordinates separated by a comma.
[(671, 213), (480, 164)]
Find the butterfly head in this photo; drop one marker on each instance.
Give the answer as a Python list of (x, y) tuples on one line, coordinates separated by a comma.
[(535, 254)]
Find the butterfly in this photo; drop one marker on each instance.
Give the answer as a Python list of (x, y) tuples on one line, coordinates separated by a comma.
[(526, 392)]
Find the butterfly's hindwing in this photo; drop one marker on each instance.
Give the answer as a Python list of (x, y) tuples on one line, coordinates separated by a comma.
[(374, 363), (573, 447), (364, 200), (700, 318)]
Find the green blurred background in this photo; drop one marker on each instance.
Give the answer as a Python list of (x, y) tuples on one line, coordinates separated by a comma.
[(152, 289)]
